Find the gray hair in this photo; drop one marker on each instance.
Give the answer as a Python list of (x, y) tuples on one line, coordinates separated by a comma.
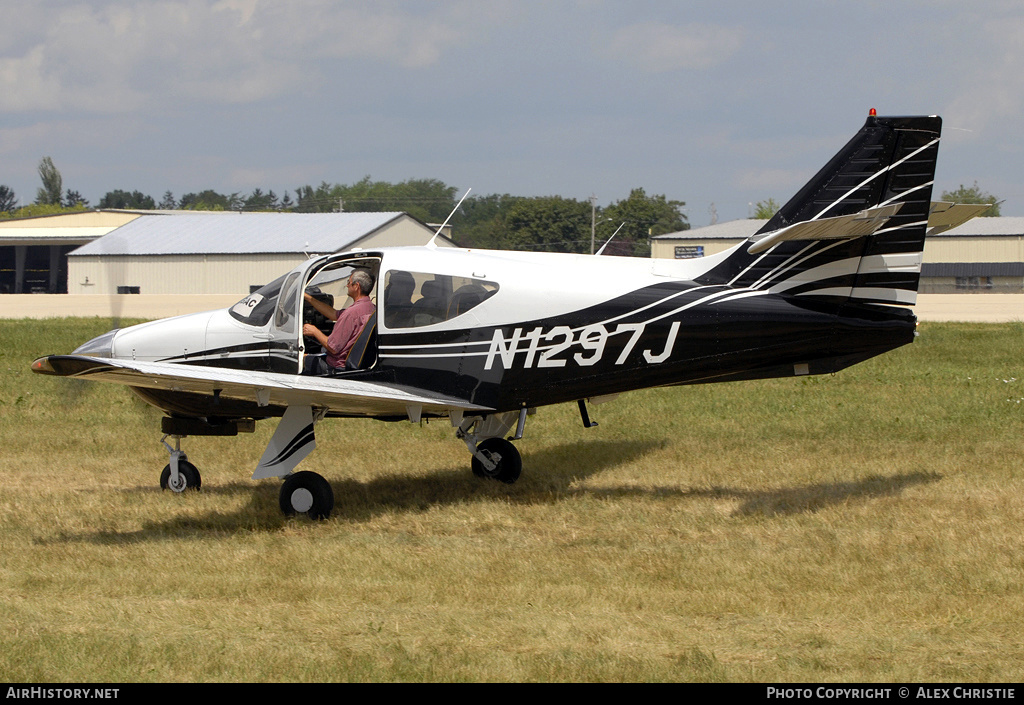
[(363, 279)]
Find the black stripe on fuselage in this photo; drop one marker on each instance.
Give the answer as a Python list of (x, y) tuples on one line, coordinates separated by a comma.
[(257, 357), (671, 333)]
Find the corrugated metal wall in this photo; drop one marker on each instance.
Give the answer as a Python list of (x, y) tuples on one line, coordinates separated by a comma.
[(176, 274), (975, 248)]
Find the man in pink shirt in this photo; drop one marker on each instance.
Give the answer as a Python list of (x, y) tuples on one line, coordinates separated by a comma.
[(348, 323)]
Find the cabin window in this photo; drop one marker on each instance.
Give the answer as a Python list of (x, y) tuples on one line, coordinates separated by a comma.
[(278, 301), (415, 299)]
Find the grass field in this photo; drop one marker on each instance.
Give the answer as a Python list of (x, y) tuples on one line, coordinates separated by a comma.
[(861, 527)]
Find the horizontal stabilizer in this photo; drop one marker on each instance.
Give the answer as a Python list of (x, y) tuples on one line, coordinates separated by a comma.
[(842, 227), (944, 216)]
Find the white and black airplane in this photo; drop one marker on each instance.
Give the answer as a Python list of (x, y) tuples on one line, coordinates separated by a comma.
[(483, 337)]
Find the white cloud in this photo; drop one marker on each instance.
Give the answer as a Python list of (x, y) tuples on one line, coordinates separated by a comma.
[(115, 57), (658, 47), (396, 37), (26, 84)]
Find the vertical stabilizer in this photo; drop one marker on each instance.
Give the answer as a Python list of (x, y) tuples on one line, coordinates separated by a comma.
[(855, 232)]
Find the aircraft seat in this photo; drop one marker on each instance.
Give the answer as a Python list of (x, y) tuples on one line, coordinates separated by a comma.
[(364, 351)]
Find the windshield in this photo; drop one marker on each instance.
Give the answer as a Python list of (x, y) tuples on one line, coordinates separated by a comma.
[(257, 308)]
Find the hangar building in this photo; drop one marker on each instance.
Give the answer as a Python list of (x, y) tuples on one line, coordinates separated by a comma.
[(227, 253), (33, 251), (982, 255)]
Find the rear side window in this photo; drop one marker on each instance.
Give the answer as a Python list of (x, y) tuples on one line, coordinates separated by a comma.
[(415, 299)]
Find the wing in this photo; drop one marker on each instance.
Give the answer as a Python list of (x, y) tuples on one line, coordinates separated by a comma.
[(336, 394)]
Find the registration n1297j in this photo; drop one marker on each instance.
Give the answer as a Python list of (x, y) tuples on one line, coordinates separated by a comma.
[(555, 347)]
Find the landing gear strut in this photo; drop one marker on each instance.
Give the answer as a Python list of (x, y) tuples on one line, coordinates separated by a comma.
[(179, 474), (302, 492)]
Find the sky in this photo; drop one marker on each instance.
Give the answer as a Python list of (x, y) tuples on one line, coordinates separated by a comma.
[(718, 104)]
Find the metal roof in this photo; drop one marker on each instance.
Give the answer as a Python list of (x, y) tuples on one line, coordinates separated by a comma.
[(239, 233), (730, 230), (999, 226)]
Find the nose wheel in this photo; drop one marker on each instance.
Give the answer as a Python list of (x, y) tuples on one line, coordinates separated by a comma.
[(187, 477), (179, 474)]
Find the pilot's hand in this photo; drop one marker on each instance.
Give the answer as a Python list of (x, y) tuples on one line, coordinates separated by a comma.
[(309, 330)]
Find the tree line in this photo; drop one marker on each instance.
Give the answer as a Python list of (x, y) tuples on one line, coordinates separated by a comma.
[(505, 221), (549, 223)]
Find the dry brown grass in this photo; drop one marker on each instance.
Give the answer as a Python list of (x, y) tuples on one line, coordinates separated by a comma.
[(862, 527)]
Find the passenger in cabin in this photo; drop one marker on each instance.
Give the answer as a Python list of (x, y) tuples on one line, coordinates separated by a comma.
[(432, 304), (348, 324), (398, 299)]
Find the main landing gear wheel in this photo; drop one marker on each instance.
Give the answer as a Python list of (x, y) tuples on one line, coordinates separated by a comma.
[(188, 477), (307, 493), (508, 462)]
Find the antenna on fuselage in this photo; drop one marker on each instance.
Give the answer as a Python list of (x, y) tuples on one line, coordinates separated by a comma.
[(610, 239), (434, 244)]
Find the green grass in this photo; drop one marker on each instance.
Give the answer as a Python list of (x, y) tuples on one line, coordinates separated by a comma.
[(858, 527)]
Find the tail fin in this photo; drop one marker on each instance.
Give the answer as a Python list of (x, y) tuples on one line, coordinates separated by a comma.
[(855, 233)]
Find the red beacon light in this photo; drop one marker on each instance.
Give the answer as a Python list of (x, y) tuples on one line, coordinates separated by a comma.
[(872, 113)]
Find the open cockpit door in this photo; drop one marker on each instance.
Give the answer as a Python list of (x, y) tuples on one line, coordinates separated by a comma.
[(325, 279), (278, 310)]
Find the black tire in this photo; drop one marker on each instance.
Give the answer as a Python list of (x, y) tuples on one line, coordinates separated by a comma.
[(307, 493), (509, 462), (188, 477)]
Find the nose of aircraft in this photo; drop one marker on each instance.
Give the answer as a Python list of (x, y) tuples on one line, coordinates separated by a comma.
[(100, 346)]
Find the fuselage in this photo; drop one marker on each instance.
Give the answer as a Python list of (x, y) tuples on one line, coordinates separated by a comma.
[(509, 329)]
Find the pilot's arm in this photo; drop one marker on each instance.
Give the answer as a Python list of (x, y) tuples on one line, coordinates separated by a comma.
[(311, 331), (325, 310)]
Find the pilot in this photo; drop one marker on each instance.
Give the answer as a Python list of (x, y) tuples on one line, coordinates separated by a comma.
[(348, 324)]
